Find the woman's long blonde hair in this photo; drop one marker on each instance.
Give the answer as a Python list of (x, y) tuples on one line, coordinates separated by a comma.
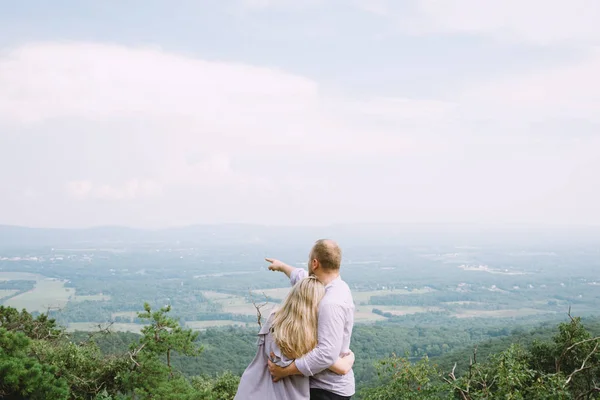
[(295, 323)]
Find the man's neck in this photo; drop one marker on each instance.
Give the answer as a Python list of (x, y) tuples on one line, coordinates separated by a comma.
[(326, 279)]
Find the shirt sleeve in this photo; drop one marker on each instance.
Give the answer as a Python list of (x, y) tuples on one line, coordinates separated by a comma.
[(329, 346), (297, 275)]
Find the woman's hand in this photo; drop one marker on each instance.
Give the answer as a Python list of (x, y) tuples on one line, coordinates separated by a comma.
[(344, 364)]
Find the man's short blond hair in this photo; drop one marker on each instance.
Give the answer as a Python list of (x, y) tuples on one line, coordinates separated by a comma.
[(328, 254)]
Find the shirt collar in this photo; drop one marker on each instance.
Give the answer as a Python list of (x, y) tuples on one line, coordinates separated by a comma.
[(334, 282)]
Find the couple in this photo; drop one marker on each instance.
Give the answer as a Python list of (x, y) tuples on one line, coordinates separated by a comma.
[(304, 346)]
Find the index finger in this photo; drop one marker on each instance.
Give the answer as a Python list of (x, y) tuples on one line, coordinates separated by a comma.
[(270, 260)]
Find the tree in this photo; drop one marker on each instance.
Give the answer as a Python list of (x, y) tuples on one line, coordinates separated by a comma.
[(402, 380), (152, 374), (223, 387), (507, 375), (22, 376), (566, 367), (40, 327), (574, 354)]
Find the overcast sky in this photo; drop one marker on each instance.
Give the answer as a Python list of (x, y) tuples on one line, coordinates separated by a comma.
[(163, 113)]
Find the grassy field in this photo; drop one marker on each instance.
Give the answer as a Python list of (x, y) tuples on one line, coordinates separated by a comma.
[(365, 297), (93, 297), (248, 309), (19, 276), (47, 293), (213, 296), (405, 310), (93, 326), (6, 293), (519, 312), (127, 314), (364, 315), (238, 304), (201, 325), (279, 293)]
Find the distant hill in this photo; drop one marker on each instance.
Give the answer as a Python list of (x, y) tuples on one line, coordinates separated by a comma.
[(208, 235), (247, 234)]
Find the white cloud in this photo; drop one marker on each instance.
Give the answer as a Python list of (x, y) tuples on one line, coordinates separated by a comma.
[(132, 189), (233, 106), (186, 140), (95, 81), (571, 92), (156, 124), (80, 189)]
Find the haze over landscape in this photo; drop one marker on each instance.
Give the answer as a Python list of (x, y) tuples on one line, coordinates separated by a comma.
[(152, 154)]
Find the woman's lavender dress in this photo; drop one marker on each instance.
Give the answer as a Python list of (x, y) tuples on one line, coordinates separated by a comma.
[(256, 382)]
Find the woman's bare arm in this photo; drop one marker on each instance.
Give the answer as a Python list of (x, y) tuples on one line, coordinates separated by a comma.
[(343, 365)]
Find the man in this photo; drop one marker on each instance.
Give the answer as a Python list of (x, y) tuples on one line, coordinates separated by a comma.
[(336, 319)]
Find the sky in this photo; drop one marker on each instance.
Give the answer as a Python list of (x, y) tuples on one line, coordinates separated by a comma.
[(283, 112)]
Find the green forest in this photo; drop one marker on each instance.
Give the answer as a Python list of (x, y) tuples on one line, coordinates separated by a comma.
[(40, 360)]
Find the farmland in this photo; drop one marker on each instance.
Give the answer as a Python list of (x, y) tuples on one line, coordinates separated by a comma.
[(202, 325), (95, 326), (7, 293), (47, 292)]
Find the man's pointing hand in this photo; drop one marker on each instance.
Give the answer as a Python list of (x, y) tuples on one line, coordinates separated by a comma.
[(276, 265)]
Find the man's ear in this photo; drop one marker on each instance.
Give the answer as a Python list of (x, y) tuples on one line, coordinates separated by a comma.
[(315, 264)]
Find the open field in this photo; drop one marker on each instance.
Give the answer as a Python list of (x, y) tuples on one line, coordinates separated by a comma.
[(201, 325), (405, 310), (93, 326), (364, 315), (230, 301), (93, 297), (278, 293), (47, 293), (126, 314), (19, 276), (365, 297), (485, 268), (520, 312), (6, 293), (217, 295), (248, 309), (463, 303), (238, 304)]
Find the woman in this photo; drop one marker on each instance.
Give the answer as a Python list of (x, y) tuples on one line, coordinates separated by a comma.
[(290, 332)]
